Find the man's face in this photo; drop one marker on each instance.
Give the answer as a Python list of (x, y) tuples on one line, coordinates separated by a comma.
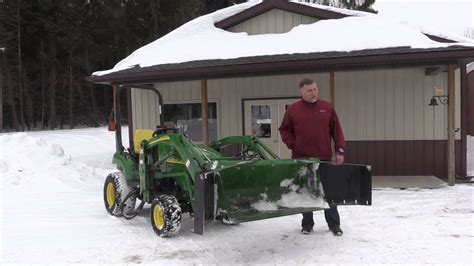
[(310, 93)]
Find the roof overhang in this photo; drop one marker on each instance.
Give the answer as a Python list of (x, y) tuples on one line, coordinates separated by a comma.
[(290, 63)]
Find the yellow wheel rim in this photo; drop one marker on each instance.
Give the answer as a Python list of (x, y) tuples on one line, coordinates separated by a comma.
[(158, 217), (110, 195)]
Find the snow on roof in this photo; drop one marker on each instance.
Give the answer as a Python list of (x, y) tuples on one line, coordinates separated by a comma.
[(199, 39), (442, 34)]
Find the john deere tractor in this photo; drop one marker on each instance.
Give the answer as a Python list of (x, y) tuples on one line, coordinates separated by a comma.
[(168, 170)]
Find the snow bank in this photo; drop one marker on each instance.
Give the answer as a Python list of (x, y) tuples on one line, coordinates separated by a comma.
[(27, 162), (25, 158), (46, 195)]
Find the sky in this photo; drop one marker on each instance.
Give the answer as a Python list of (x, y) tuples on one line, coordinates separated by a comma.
[(450, 16)]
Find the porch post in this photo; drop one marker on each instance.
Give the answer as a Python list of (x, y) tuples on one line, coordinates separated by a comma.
[(332, 88), (114, 99), (118, 124), (204, 111), (451, 120), (464, 119)]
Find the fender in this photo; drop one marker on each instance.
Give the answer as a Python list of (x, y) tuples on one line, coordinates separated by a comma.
[(125, 164)]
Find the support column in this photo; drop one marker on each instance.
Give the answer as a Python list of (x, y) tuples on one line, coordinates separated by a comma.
[(130, 118), (451, 121), (204, 111), (332, 88), (464, 120), (118, 125), (114, 100)]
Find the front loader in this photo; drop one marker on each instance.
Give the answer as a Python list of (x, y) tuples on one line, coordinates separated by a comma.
[(168, 170)]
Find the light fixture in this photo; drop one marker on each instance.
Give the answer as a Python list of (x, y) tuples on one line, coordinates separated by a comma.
[(443, 99)]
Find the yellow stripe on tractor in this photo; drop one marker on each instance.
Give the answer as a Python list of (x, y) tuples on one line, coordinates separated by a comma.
[(176, 161), (160, 139)]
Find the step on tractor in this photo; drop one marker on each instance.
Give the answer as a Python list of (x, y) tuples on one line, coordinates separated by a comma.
[(175, 175)]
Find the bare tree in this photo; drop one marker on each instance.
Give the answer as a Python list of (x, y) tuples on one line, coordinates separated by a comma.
[(71, 95), (2, 50), (362, 5), (20, 78), (89, 85), (52, 88), (11, 100), (43, 94), (50, 46)]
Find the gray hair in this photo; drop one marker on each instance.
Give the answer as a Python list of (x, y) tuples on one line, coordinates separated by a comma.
[(307, 81)]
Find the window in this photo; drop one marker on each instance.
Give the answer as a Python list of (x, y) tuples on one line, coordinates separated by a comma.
[(261, 121), (187, 117)]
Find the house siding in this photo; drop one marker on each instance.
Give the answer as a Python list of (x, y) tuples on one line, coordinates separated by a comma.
[(387, 104), (273, 21), (392, 104)]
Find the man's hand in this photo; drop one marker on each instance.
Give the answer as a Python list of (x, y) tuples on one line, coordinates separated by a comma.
[(339, 159)]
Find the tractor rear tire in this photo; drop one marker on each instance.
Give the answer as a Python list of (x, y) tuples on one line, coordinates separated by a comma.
[(115, 190), (166, 216)]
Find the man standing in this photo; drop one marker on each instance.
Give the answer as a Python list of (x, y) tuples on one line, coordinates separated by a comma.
[(307, 129)]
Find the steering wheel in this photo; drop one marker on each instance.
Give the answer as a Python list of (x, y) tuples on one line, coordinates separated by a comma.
[(245, 155), (160, 130)]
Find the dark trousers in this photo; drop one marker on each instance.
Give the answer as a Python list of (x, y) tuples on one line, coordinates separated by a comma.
[(331, 215)]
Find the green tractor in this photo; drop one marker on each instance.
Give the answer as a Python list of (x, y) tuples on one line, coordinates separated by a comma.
[(166, 169)]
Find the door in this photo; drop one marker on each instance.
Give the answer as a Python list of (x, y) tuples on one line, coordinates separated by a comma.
[(262, 118), (283, 151)]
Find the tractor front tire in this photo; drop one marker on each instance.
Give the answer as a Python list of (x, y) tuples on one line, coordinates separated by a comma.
[(115, 190), (166, 216)]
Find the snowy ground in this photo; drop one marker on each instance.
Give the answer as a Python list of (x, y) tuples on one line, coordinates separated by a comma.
[(52, 212)]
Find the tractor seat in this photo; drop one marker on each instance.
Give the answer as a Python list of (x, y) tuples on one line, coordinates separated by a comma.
[(139, 136)]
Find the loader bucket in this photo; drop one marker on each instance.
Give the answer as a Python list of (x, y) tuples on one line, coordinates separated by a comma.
[(271, 188)]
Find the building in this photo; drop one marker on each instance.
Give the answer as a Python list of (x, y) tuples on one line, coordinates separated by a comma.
[(244, 63)]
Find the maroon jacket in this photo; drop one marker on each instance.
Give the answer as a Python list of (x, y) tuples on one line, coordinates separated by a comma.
[(307, 129)]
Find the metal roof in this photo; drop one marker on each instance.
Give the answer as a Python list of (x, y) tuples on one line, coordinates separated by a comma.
[(290, 63)]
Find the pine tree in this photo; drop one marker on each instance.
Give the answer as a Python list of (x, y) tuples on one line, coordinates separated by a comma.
[(51, 46)]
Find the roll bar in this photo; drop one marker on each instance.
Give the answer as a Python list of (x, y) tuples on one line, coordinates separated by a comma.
[(118, 131)]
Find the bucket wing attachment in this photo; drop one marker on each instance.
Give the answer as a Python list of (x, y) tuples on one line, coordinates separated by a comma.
[(346, 184), (272, 188)]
